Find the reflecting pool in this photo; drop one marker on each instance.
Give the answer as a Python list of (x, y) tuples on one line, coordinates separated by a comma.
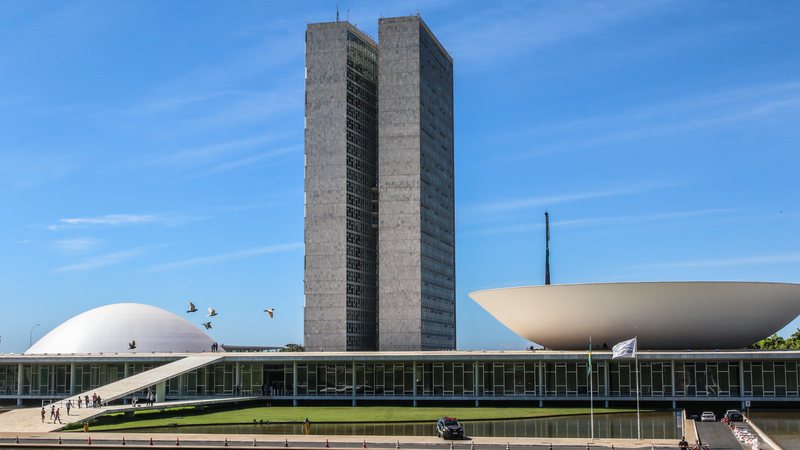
[(655, 425), (782, 426)]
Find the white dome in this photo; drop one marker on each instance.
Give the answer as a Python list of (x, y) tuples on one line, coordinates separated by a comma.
[(109, 329)]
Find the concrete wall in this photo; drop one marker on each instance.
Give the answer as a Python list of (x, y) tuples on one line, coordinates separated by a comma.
[(325, 187), (415, 137), (399, 246)]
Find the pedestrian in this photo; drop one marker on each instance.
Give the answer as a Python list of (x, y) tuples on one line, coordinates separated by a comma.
[(86, 400), (43, 414), (58, 415), (99, 402), (52, 413), (69, 406), (79, 402), (133, 402), (94, 400)]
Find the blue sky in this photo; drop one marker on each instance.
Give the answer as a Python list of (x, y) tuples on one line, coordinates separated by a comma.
[(153, 151)]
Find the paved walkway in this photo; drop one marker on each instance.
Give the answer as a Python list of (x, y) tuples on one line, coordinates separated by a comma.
[(29, 419), (106, 440)]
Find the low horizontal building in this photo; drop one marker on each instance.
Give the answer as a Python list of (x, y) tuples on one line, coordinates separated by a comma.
[(475, 377)]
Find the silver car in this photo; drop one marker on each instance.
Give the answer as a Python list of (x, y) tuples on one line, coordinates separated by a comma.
[(708, 416)]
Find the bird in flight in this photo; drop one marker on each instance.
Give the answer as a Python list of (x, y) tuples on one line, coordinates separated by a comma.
[(270, 311), (212, 312), (192, 308), (132, 345), (207, 325)]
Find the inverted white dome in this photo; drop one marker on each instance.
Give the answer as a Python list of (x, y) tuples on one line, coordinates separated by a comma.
[(664, 315), (109, 329)]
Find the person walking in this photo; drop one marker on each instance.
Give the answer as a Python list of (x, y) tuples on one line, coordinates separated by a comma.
[(53, 413), (69, 406), (79, 402), (86, 400), (43, 414), (58, 415)]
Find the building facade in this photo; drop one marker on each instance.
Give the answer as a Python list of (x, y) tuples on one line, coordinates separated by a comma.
[(668, 379), (415, 183), (341, 137), (379, 206)]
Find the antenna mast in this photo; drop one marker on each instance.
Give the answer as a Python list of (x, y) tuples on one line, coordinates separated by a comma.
[(337, 12), (547, 249)]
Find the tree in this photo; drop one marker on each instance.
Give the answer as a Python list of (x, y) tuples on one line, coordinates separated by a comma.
[(293, 348), (776, 342)]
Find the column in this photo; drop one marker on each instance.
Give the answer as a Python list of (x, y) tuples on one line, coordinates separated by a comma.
[(20, 382), (180, 384), (741, 384), (161, 389), (354, 383), (415, 384), (237, 378), (606, 368), (672, 374), (476, 383), (72, 371), (294, 383)]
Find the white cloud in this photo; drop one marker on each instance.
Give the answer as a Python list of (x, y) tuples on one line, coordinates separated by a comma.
[(786, 258), (213, 259), (507, 30), (112, 220), (689, 114), (76, 245), (100, 261), (547, 200), (600, 221)]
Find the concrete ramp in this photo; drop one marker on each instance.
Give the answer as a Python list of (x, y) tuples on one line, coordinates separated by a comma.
[(30, 420), (125, 386), (717, 436)]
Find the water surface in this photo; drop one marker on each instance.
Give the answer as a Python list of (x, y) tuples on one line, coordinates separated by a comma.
[(655, 425), (782, 426)]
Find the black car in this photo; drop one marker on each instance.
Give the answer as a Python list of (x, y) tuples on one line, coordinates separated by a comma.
[(734, 415), (449, 428)]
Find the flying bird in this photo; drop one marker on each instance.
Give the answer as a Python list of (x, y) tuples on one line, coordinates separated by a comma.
[(212, 312), (192, 308), (132, 345), (207, 325), (270, 311)]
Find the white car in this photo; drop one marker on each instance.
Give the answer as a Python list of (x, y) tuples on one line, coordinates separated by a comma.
[(708, 416)]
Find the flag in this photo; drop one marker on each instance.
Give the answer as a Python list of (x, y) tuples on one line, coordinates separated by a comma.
[(625, 349), (589, 373)]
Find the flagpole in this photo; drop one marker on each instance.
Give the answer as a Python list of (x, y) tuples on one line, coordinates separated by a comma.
[(638, 417), (591, 392)]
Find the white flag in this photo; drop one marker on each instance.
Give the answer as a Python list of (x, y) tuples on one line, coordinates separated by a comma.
[(625, 349)]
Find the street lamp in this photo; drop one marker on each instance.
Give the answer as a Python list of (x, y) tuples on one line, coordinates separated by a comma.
[(30, 338)]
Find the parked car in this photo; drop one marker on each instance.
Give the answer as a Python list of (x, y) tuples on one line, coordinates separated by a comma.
[(449, 428), (708, 416), (734, 415)]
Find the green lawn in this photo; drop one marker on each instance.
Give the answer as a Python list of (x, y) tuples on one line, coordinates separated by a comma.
[(318, 414)]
